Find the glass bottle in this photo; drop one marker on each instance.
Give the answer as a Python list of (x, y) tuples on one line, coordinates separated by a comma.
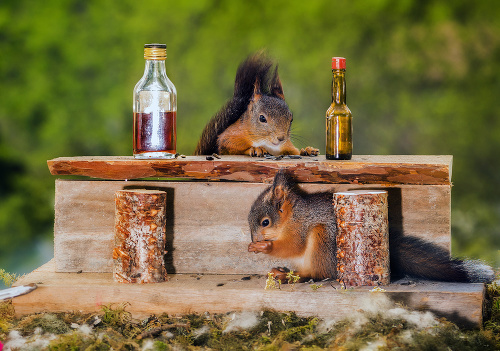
[(338, 116), (155, 108)]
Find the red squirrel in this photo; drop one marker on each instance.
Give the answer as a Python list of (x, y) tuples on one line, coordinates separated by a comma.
[(287, 222), (257, 120)]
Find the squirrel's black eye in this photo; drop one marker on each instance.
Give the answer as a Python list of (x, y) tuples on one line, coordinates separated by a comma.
[(265, 222), (262, 119)]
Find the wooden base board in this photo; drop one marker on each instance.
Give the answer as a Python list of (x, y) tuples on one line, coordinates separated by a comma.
[(191, 293)]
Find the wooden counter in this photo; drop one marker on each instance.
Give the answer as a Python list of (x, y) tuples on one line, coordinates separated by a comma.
[(208, 202)]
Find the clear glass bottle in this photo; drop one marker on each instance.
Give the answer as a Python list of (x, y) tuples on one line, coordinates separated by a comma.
[(338, 116), (155, 108)]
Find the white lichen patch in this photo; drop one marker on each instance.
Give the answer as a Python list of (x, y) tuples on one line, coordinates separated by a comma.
[(241, 321)]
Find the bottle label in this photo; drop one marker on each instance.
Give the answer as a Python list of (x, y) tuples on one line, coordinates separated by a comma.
[(155, 101)]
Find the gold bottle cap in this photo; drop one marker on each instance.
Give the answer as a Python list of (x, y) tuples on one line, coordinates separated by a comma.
[(155, 51)]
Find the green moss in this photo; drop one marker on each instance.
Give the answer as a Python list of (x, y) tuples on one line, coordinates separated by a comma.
[(160, 346), (492, 312), (110, 340), (273, 331), (298, 333), (117, 318), (449, 337), (195, 320), (6, 317), (47, 322), (77, 317), (73, 341)]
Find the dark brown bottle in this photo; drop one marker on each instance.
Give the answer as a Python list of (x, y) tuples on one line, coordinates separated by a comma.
[(338, 116)]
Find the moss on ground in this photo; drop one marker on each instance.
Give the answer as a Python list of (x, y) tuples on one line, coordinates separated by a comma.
[(113, 328)]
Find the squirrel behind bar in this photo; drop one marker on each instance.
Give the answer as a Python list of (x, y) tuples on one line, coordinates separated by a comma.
[(257, 120), (287, 222)]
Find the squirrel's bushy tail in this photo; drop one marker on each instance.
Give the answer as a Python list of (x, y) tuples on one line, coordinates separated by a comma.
[(414, 257), (255, 67)]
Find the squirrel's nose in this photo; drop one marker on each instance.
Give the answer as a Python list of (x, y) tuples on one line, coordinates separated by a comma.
[(281, 138)]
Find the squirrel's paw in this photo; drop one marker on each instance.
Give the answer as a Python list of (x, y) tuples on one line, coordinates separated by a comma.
[(280, 273), (309, 151), (257, 152), (261, 246)]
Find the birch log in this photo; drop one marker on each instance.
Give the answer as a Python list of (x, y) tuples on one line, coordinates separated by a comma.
[(139, 249), (362, 237)]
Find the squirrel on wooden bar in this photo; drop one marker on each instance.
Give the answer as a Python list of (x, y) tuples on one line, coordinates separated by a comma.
[(287, 222), (257, 120)]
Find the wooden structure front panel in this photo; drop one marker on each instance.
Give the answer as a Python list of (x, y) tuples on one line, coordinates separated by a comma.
[(207, 229)]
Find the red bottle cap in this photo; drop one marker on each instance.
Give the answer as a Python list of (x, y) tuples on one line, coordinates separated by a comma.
[(338, 63)]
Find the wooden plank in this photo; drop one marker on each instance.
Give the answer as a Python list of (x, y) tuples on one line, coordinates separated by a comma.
[(391, 169), (87, 292), (207, 228)]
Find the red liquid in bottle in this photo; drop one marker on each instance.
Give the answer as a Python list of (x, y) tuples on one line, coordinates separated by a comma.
[(155, 132)]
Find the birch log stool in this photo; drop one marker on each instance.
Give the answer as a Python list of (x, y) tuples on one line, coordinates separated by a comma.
[(362, 237), (139, 249)]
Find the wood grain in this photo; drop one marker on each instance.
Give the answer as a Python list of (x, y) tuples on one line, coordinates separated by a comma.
[(391, 169), (207, 229), (362, 237), (184, 293), (139, 240)]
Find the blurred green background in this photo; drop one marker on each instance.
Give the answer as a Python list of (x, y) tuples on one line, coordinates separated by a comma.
[(422, 78)]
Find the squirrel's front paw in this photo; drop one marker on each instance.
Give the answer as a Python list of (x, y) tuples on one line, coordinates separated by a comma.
[(257, 152), (261, 246), (309, 151), (280, 273)]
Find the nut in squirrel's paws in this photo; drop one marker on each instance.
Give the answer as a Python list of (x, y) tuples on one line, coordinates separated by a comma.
[(309, 151), (280, 273), (261, 246)]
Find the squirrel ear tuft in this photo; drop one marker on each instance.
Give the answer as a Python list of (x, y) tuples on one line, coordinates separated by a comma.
[(257, 92), (283, 179), (279, 194), (276, 87), (281, 188)]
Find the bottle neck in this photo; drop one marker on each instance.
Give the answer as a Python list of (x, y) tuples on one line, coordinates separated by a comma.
[(155, 69), (338, 86)]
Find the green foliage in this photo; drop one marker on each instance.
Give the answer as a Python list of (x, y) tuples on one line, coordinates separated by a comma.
[(8, 278), (272, 283), (422, 79), (315, 287), (292, 278)]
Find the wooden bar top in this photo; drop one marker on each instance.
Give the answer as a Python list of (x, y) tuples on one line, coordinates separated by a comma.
[(361, 169)]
